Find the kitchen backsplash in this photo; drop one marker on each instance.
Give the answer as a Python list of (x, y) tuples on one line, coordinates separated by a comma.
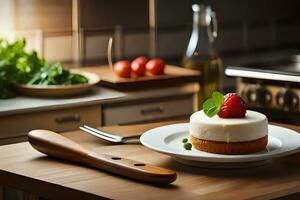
[(244, 26)]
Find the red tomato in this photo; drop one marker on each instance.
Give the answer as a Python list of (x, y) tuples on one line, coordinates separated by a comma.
[(138, 69), (138, 66), (122, 68), (156, 66), (143, 60)]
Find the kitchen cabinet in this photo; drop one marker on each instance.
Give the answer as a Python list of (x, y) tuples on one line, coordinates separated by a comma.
[(149, 110), (22, 114), (156, 104), (14, 127)]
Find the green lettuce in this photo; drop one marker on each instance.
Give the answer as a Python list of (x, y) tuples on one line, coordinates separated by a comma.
[(20, 67)]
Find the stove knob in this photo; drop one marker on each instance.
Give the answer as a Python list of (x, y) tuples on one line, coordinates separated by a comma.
[(263, 96), (251, 96), (287, 99), (259, 96)]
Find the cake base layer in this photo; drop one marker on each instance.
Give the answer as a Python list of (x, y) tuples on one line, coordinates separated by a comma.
[(231, 147)]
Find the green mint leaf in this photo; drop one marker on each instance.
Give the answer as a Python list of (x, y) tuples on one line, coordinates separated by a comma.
[(218, 97), (212, 106)]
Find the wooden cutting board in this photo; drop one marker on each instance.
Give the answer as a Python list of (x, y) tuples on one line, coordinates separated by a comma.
[(173, 75)]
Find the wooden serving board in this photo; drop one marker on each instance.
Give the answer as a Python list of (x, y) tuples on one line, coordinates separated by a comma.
[(173, 75)]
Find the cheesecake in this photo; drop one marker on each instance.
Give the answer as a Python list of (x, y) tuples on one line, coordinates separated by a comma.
[(229, 135)]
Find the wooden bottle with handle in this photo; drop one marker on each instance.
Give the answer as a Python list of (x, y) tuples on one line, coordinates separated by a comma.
[(53, 144)]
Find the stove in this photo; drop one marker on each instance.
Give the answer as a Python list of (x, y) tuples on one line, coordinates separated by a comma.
[(271, 87)]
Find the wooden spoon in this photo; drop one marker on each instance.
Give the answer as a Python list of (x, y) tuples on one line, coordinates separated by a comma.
[(53, 144)]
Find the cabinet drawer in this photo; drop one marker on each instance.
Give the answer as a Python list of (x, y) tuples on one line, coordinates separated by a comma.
[(56, 120), (147, 111)]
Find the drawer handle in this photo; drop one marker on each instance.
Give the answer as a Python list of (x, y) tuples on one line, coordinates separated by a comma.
[(69, 118), (148, 111)]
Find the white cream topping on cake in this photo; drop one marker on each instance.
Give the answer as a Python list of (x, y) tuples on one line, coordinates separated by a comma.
[(252, 127)]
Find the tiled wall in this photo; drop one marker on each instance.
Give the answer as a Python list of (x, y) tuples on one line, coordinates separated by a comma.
[(46, 25), (247, 25), (58, 48), (96, 46), (244, 26), (136, 44)]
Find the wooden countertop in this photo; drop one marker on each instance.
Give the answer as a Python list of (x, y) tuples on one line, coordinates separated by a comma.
[(24, 168)]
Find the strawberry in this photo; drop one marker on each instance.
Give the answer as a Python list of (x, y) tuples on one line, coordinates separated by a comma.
[(233, 107)]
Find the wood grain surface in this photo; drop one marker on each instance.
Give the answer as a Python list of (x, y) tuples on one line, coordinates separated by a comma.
[(23, 167), (173, 75), (58, 146)]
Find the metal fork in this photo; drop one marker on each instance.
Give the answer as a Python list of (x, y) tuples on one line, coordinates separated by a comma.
[(109, 137)]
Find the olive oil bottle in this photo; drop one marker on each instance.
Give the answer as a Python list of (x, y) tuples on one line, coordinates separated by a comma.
[(201, 54)]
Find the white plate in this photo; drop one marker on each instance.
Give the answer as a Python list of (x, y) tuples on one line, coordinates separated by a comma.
[(167, 140)]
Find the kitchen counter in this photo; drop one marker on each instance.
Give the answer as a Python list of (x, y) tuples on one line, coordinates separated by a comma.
[(24, 168), (100, 107), (25, 104)]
